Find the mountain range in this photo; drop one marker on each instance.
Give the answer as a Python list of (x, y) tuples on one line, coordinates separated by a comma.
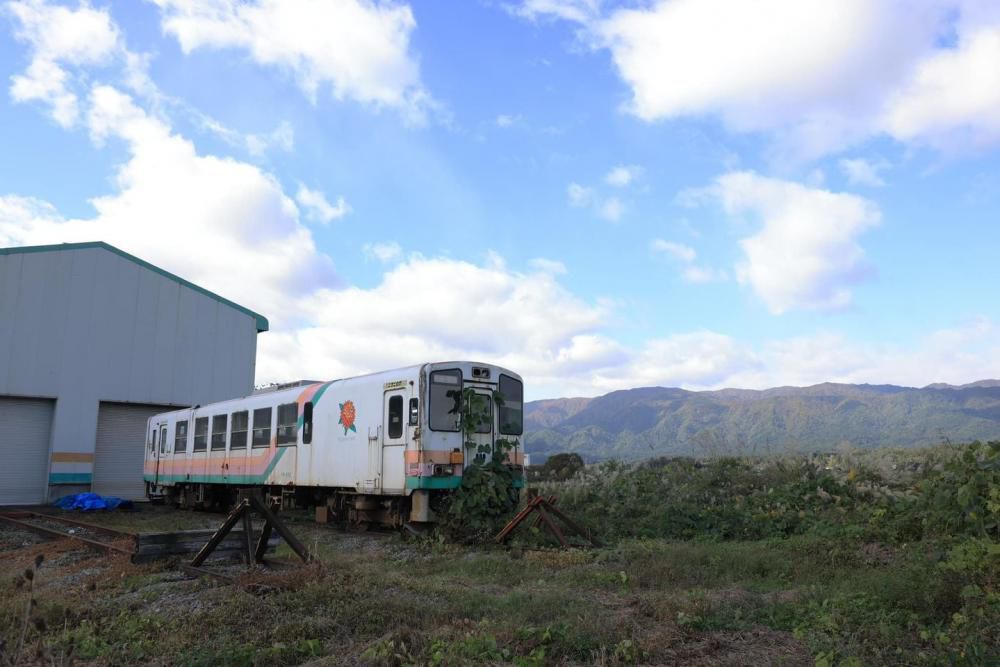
[(660, 421)]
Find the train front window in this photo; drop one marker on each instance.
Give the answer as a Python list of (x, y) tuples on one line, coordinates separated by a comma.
[(512, 410), (480, 412), (446, 400)]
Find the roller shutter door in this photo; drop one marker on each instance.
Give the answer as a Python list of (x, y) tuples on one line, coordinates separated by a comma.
[(121, 430), (25, 426)]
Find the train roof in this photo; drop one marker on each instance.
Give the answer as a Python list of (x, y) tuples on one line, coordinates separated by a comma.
[(293, 389)]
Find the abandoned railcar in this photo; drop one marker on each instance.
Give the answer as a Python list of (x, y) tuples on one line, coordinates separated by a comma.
[(376, 448)]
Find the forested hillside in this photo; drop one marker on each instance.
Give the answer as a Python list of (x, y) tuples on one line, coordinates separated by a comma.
[(657, 421)]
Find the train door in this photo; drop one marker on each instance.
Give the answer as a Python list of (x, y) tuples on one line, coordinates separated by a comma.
[(480, 411), (393, 452), (162, 427), (238, 446)]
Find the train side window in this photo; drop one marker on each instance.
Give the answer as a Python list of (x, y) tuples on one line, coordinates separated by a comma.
[(200, 434), (181, 436), (395, 416), (288, 414), (152, 442), (414, 412), (239, 436), (307, 423), (262, 427), (219, 425)]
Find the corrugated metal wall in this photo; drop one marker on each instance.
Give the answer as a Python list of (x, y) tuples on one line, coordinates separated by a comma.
[(121, 434), (25, 427)]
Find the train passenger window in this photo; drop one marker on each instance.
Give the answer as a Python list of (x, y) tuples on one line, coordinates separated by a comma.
[(512, 411), (395, 416), (307, 423), (446, 400), (200, 434), (219, 424), (414, 412), (181, 436), (288, 414), (239, 436), (152, 443), (262, 427)]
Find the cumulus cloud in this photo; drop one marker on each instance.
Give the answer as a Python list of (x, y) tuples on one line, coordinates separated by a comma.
[(59, 37), (579, 195), (806, 255), (252, 246), (359, 48), (318, 208), (953, 98), (818, 75)]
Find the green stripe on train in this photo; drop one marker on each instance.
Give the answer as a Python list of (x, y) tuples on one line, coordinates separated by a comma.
[(222, 479)]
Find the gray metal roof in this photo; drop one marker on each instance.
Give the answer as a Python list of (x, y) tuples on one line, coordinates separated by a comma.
[(262, 324)]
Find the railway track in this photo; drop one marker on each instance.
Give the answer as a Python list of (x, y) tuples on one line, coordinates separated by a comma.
[(91, 535)]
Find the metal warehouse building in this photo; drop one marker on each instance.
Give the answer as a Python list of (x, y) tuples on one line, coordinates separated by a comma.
[(92, 342)]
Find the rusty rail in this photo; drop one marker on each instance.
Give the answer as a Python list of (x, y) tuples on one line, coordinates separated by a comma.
[(16, 519)]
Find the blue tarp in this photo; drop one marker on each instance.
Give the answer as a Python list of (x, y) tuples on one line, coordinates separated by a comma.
[(87, 502)]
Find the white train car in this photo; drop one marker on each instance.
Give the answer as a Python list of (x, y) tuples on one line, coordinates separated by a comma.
[(375, 448)]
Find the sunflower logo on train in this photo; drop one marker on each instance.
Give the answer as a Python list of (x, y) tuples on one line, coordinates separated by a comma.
[(347, 416)]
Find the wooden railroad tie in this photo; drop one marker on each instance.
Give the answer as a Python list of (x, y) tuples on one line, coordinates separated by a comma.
[(544, 507)]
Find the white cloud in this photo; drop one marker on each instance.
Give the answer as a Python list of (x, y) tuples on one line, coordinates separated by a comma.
[(621, 176), (677, 251), (550, 266), (863, 172), (579, 11), (252, 247), (506, 120), (686, 256), (523, 321), (806, 255), (59, 37), (318, 208), (383, 252), (611, 209), (579, 195), (953, 99), (360, 48), (818, 75)]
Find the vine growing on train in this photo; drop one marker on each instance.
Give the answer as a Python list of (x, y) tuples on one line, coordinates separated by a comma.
[(487, 497)]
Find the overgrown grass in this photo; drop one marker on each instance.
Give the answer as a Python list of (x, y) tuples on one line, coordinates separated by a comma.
[(882, 558)]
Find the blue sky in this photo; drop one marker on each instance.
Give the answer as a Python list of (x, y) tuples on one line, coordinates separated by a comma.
[(598, 195)]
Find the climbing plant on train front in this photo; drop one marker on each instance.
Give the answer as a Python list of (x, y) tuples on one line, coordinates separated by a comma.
[(487, 497)]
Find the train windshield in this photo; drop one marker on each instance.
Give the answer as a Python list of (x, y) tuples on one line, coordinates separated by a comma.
[(445, 403), (512, 410)]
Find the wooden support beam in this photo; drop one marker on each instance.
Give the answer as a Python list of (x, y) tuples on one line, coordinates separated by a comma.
[(220, 534), (553, 528), (265, 535), (279, 526)]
